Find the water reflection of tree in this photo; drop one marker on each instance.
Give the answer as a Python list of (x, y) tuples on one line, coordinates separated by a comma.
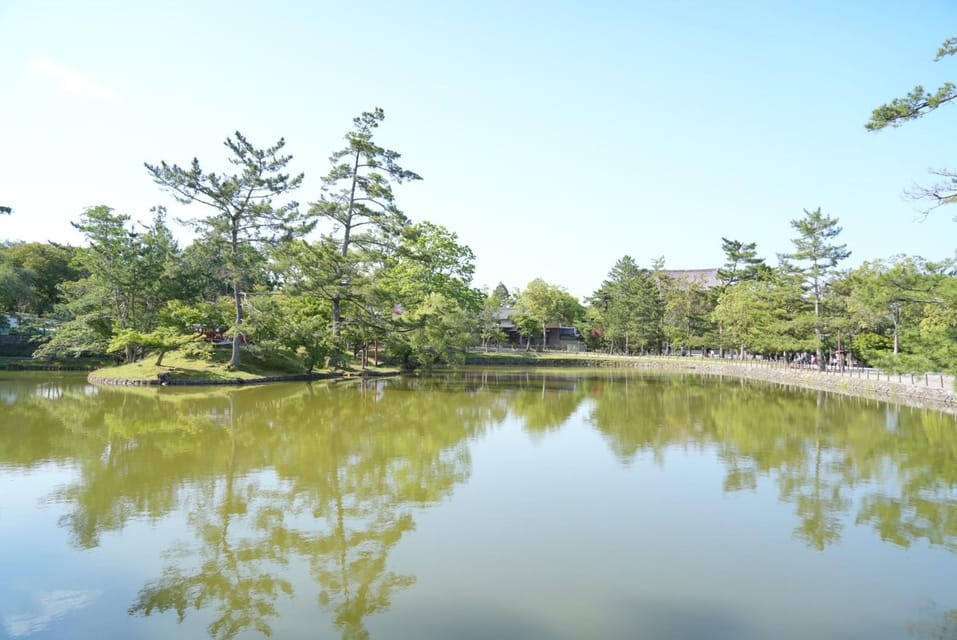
[(542, 409), (232, 573), (924, 452), (542, 401), (936, 624), (350, 469), (815, 483), (332, 476), (329, 475), (375, 461), (817, 446), (229, 565)]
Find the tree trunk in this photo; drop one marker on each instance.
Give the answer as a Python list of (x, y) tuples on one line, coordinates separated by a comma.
[(237, 332), (237, 299), (352, 201), (840, 352), (346, 240), (821, 365), (336, 317)]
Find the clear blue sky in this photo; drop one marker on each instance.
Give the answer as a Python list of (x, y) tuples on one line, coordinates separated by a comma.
[(553, 137)]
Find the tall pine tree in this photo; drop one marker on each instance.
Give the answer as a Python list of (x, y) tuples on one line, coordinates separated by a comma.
[(244, 211)]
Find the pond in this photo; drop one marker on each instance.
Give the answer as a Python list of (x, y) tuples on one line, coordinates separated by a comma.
[(475, 504)]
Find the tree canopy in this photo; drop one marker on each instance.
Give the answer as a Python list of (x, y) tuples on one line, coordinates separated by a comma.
[(245, 214), (358, 202), (355, 277), (916, 104)]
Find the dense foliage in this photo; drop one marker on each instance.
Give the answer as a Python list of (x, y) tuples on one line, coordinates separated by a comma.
[(354, 279), (899, 314)]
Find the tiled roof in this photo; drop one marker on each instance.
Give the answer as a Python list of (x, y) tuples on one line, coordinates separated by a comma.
[(705, 278)]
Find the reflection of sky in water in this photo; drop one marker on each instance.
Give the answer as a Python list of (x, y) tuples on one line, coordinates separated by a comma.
[(48, 608)]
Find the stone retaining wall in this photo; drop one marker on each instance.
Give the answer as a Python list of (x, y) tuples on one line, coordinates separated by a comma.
[(847, 383)]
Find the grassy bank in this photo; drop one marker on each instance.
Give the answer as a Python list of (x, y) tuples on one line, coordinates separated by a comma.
[(180, 368), (27, 363)]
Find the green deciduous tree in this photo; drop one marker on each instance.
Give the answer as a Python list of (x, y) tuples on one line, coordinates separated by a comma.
[(161, 341), (295, 326), (16, 292), (888, 296), (430, 259), (494, 308), (427, 283), (245, 215), (385, 287), (937, 338), (42, 267), (758, 315), (541, 304), (438, 329)]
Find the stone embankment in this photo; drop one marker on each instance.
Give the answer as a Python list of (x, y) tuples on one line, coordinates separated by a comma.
[(920, 390)]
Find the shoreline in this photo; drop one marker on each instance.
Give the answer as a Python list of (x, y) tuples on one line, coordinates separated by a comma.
[(936, 393), (233, 382)]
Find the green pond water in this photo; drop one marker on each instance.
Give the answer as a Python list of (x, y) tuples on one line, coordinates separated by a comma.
[(480, 504)]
